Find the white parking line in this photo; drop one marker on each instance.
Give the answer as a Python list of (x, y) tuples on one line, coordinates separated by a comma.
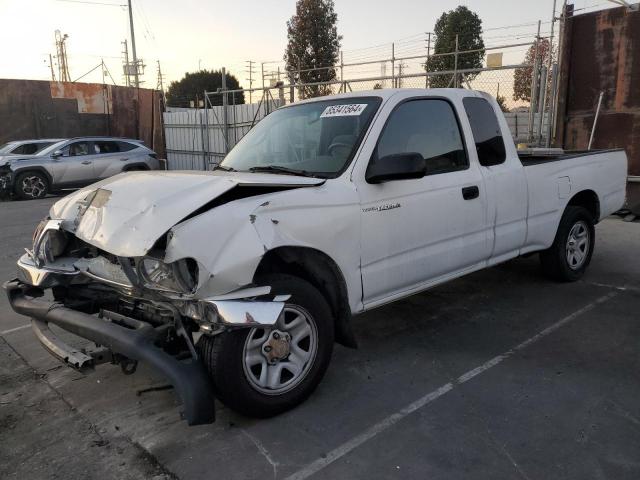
[(17, 329), (339, 452)]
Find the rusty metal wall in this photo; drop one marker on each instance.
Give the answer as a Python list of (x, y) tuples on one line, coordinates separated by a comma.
[(42, 109), (601, 52)]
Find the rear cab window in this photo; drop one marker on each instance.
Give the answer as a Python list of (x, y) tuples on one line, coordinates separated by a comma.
[(126, 146), (487, 134)]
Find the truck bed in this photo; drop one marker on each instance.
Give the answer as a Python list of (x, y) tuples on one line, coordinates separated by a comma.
[(535, 158)]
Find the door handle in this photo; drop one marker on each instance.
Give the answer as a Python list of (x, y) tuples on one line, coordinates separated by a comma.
[(469, 193), (86, 162), (124, 159)]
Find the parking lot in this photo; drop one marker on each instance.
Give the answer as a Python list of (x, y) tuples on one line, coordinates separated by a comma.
[(501, 374)]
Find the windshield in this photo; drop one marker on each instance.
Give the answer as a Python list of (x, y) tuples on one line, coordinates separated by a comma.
[(6, 147), (317, 138), (52, 148)]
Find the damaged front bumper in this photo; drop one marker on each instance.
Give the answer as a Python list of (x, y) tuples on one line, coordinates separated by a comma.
[(128, 339), (229, 310), (136, 342)]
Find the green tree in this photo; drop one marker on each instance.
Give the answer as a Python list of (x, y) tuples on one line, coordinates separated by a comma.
[(502, 103), (313, 42), (468, 26), (522, 76), (193, 85)]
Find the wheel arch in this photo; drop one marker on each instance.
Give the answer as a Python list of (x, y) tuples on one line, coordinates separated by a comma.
[(322, 272), (34, 168), (136, 167), (587, 199)]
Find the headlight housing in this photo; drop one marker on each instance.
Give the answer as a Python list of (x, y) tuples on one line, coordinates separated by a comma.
[(49, 241), (180, 276)]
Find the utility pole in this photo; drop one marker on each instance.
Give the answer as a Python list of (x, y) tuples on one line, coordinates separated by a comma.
[(393, 65), (53, 74), (127, 66), (426, 64), (61, 49), (534, 87), (250, 79), (133, 47), (455, 64), (547, 102), (160, 85)]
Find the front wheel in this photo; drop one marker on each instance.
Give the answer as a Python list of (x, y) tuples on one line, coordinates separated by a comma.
[(570, 254), (30, 185), (261, 372)]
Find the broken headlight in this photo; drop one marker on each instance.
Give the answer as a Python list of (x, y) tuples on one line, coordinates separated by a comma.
[(180, 276), (49, 241)]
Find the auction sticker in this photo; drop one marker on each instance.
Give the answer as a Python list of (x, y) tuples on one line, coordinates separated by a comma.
[(345, 110)]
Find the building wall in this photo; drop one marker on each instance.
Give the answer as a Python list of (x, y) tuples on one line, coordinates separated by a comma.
[(601, 53), (41, 109)]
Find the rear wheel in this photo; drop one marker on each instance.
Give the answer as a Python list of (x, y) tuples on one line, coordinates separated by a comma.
[(570, 254), (261, 372), (30, 185)]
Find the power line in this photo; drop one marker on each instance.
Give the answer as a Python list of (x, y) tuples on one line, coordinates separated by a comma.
[(86, 2)]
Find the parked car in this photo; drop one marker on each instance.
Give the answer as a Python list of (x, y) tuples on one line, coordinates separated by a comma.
[(73, 163), (237, 282), (27, 147)]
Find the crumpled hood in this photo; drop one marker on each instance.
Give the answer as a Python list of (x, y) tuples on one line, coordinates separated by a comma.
[(126, 214)]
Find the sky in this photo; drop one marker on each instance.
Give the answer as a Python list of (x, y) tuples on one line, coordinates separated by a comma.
[(185, 35)]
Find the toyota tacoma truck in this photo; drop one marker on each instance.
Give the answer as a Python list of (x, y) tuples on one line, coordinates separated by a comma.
[(235, 283)]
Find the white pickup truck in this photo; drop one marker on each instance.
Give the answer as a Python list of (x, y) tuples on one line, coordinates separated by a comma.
[(237, 282)]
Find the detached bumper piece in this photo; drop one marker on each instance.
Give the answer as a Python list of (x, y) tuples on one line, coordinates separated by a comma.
[(134, 340)]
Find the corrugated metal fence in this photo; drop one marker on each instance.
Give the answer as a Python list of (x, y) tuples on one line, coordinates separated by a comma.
[(195, 137)]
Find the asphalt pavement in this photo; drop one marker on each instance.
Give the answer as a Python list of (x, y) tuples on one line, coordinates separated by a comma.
[(501, 374)]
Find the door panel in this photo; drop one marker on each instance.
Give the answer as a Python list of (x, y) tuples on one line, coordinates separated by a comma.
[(109, 160), (504, 178), (75, 166), (416, 231)]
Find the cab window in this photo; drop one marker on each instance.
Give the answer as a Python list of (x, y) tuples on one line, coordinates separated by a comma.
[(428, 127), (486, 131), (126, 146), (103, 147), (76, 149)]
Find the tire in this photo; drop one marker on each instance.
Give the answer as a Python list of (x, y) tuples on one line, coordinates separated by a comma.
[(235, 359), (31, 185), (570, 254)]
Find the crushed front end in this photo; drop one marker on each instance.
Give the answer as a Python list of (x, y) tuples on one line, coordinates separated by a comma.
[(132, 309), (6, 181)]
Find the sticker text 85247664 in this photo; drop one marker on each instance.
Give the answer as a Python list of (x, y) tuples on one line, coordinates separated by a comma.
[(345, 110)]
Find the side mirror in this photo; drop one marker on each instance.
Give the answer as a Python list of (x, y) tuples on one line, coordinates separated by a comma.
[(56, 154), (400, 166)]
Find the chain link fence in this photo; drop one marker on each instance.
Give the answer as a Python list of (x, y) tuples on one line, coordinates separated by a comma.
[(200, 138)]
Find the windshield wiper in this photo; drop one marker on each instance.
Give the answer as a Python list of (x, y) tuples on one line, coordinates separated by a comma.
[(279, 169), (225, 169)]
